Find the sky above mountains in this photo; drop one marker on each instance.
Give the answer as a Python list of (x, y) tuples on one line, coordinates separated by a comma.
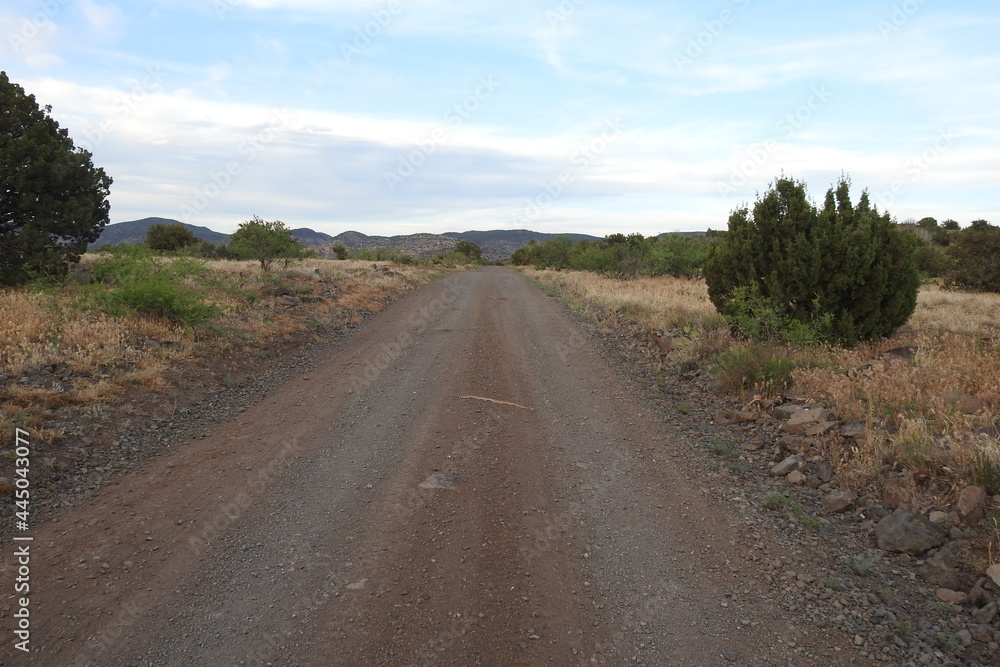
[(402, 116)]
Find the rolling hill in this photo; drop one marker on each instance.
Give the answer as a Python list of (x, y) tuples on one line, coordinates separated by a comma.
[(496, 244)]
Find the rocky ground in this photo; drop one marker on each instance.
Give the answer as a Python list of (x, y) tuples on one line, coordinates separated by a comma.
[(906, 588)]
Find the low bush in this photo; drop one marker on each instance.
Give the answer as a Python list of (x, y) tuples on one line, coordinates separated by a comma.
[(133, 280), (753, 368)]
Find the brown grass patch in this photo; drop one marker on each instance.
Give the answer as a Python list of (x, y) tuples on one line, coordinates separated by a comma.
[(58, 353)]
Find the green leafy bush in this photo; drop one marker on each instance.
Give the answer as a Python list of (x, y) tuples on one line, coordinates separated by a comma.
[(169, 237), (266, 241), (133, 280), (844, 269), (755, 317)]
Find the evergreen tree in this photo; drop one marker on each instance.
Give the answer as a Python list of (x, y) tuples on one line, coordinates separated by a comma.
[(169, 237), (53, 201), (975, 252), (843, 267)]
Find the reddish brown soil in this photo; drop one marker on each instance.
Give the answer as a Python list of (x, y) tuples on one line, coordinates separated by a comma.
[(298, 534)]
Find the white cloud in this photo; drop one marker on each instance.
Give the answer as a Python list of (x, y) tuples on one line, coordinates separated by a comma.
[(105, 20)]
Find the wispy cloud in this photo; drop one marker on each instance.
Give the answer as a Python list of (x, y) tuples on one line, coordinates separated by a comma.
[(172, 96)]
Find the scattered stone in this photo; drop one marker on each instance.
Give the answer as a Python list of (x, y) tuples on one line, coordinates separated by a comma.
[(839, 501), (753, 445), (981, 633), (853, 429), (743, 417), (824, 472), (796, 477), (964, 403), (939, 518), (895, 492), (952, 597), (978, 596), (821, 428), (906, 532), (786, 410), (440, 480), (942, 577), (971, 504), (987, 614), (965, 637), (793, 444), (787, 465), (906, 352), (993, 572), (805, 419)]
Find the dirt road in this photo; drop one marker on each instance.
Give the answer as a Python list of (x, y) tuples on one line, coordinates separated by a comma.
[(300, 534)]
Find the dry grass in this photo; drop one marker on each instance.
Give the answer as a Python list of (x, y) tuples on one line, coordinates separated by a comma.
[(62, 353), (920, 435)]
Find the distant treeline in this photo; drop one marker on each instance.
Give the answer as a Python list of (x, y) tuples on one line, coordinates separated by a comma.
[(964, 257), (620, 256)]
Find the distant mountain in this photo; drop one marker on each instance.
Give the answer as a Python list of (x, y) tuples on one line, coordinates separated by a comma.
[(501, 243), (135, 232), (309, 237), (496, 244), (417, 245)]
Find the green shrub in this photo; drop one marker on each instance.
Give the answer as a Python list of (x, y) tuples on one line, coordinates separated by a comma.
[(618, 255), (745, 368), (755, 317), (975, 257), (842, 267), (138, 282), (169, 237), (266, 241)]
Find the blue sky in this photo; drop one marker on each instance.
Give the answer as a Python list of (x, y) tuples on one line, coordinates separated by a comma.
[(401, 116)]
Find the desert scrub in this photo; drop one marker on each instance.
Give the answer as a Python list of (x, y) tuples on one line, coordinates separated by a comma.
[(902, 402), (753, 368), (110, 347), (133, 280)]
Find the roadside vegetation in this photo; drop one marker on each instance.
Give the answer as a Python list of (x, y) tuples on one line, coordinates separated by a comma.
[(127, 320), (805, 302)]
